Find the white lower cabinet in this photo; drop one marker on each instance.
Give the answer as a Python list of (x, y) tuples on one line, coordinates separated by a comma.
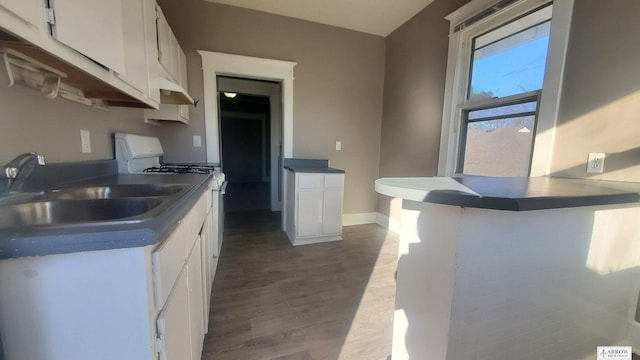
[(182, 339), (128, 304), (314, 207), (173, 323), (196, 301)]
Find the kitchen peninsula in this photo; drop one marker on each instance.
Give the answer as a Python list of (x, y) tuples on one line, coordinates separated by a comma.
[(508, 268)]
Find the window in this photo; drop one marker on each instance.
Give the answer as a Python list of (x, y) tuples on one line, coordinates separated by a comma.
[(499, 51), (506, 72)]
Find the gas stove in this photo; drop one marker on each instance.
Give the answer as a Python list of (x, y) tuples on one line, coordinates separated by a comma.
[(138, 154), (183, 169)]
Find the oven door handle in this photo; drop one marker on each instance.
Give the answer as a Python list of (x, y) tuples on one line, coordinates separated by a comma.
[(223, 188)]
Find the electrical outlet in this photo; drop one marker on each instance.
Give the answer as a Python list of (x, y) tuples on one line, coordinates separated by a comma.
[(85, 141), (197, 141), (338, 145), (595, 163)]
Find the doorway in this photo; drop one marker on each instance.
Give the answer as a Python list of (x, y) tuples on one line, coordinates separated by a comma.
[(251, 143), (215, 64)]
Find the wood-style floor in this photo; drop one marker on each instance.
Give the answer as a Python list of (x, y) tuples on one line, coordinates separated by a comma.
[(322, 301)]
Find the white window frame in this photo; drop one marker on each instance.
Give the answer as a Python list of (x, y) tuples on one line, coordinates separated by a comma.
[(458, 66)]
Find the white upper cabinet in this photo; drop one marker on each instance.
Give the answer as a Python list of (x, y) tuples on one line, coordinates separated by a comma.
[(172, 66), (105, 49), (30, 11), (183, 110), (135, 73), (93, 28), (140, 45), (168, 48)]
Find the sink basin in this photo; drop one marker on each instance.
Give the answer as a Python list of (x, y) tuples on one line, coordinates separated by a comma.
[(56, 212), (117, 191)]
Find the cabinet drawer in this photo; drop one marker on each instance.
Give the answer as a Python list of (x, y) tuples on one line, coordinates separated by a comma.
[(309, 181), (334, 181), (167, 261)]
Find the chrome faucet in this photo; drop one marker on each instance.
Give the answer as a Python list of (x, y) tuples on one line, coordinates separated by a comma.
[(18, 169)]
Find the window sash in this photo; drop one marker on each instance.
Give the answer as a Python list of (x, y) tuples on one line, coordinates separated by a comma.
[(490, 104), (486, 36), (503, 101)]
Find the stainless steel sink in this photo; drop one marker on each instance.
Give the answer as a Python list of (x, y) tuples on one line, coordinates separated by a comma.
[(55, 212), (117, 191)]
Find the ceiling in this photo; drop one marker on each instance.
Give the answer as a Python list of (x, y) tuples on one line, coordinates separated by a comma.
[(378, 17)]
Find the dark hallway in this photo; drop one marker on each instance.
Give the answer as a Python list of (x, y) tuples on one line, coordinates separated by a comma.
[(245, 127)]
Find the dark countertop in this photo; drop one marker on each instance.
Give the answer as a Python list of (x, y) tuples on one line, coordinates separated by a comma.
[(138, 231), (299, 169), (515, 194), (310, 166)]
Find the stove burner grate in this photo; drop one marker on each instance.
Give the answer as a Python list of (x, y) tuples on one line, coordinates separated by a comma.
[(182, 169)]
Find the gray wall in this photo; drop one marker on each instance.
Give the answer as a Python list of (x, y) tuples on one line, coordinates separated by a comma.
[(600, 105), (415, 69), (31, 122), (337, 88)]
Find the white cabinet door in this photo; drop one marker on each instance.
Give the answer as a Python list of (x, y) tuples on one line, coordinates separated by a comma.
[(332, 212), (167, 261), (174, 49), (174, 62), (135, 45), (206, 247), (93, 28), (30, 11), (151, 46), (196, 306), (173, 323), (169, 51), (309, 213), (164, 41), (182, 67), (182, 70)]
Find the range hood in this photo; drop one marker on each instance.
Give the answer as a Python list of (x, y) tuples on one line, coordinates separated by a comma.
[(172, 93)]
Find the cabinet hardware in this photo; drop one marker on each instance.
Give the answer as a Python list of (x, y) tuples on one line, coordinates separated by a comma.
[(50, 16)]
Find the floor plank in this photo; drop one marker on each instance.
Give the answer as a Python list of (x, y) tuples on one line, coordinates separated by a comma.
[(273, 301)]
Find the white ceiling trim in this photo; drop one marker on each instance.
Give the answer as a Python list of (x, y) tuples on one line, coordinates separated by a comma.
[(377, 17)]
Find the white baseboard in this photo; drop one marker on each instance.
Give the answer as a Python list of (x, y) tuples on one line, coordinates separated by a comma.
[(387, 222), (359, 219), (371, 218)]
